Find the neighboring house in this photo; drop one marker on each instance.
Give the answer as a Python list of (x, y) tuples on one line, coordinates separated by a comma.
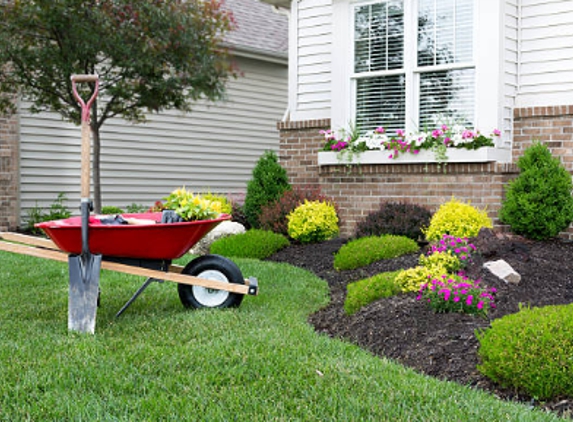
[(214, 148), (504, 64)]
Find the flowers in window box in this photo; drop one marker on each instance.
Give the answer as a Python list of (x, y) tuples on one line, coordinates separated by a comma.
[(437, 140)]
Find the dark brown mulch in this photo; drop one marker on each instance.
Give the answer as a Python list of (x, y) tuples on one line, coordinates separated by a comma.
[(441, 345)]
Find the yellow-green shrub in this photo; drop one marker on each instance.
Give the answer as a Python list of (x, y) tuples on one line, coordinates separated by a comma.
[(313, 221), (363, 292), (411, 280), (531, 351), (366, 250), (447, 260), (457, 219)]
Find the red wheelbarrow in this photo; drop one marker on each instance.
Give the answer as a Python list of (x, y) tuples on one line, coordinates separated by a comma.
[(145, 248)]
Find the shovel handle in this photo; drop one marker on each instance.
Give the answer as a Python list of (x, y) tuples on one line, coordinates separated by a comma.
[(86, 148)]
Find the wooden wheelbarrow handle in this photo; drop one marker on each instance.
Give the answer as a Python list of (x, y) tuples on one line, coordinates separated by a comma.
[(85, 149)]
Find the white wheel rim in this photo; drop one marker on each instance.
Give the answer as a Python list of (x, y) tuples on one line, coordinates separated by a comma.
[(211, 298)]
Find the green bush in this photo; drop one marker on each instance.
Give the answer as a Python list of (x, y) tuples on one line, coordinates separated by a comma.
[(257, 244), (457, 219), (538, 203), (57, 211), (395, 218), (366, 250), (268, 183), (446, 260), (111, 209), (274, 215), (363, 292), (313, 221), (531, 351)]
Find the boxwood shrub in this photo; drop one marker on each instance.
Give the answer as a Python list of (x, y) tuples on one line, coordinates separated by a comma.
[(363, 292), (257, 244)]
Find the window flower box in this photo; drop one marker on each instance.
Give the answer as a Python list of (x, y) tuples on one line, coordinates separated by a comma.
[(481, 155)]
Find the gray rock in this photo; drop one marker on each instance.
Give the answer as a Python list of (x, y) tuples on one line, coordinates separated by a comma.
[(503, 270), (226, 228)]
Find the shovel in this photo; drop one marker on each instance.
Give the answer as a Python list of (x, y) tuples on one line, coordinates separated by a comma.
[(84, 268)]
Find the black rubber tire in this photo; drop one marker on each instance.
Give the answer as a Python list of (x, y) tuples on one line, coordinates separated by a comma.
[(212, 267)]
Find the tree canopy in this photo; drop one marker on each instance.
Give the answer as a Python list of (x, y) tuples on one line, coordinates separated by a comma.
[(150, 55)]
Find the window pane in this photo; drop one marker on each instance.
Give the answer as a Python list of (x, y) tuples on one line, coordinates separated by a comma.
[(381, 101), (447, 97), (379, 37), (445, 31)]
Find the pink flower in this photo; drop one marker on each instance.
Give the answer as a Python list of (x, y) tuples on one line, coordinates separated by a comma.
[(379, 129), (480, 305), (469, 300), (497, 132), (444, 128), (415, 151), (400, 132), (437, 133), (456, 299), (390, 156)]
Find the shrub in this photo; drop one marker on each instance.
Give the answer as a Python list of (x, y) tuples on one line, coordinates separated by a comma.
[(445, 260), (538, 203), (363, 292), (313, 221), (257, 244), (111, 209), (455, 246), (134, 208), (366, 250), (531, 351), (395, 218), (57, 211), (238, 215), (268, 183), (274, 215), (412, 279), (457, 219)]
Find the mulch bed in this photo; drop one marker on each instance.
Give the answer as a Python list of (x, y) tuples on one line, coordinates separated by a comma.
[(441, 345)]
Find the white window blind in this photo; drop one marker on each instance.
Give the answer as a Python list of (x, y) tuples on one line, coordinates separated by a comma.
[(445, 42), (442, 73), (379, 65)]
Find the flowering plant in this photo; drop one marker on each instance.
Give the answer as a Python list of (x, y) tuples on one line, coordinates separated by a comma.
[(455, 246), (190, 206), (437, 140), (457, 293)]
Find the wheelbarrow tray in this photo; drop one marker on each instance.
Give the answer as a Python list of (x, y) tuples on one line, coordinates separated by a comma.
[(154, 241)]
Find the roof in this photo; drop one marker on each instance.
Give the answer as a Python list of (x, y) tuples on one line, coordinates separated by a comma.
[(260, 28)]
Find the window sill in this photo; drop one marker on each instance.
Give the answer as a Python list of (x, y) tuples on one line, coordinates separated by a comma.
[(482, 155)]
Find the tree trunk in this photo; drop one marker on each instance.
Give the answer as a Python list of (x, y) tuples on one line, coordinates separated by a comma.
[(96, 160)]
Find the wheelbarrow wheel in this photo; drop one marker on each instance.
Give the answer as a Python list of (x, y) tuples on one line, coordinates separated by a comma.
[(211, 267)]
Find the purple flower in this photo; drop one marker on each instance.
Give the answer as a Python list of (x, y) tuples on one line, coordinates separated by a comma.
[(456, 299), (480, 305), (469, 300)]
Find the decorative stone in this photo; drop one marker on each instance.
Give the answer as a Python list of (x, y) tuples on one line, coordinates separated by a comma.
[(503, 270), (224, 229)]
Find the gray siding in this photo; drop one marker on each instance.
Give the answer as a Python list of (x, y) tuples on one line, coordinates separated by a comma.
[(214, 148)]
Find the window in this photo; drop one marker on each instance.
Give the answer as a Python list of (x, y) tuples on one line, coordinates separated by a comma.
[(398, 88)]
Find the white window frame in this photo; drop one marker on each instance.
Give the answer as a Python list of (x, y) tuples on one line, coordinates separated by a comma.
[(487, 54)]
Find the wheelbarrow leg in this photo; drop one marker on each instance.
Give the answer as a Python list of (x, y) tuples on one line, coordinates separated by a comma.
[(137, 293)]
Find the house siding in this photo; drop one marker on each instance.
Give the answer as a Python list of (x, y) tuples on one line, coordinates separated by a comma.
[(312, 59), (213, 148), (546, 48)]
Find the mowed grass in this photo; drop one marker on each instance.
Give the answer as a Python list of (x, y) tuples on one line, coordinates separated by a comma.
[(159, 361)]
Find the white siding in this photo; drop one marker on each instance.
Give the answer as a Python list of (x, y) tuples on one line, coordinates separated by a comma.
[(214, 148), (311, 65), (510, 67), (546, 53)]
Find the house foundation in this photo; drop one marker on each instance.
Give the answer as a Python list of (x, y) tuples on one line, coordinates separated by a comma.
[(9, 172)]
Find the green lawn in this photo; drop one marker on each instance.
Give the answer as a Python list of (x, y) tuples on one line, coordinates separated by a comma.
[(159, 361)]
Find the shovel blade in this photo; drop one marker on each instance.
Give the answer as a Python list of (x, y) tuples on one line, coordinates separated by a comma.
[(84, 290)]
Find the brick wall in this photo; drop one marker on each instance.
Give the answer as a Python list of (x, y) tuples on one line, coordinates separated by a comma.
[(358, 190), (9, 173)]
